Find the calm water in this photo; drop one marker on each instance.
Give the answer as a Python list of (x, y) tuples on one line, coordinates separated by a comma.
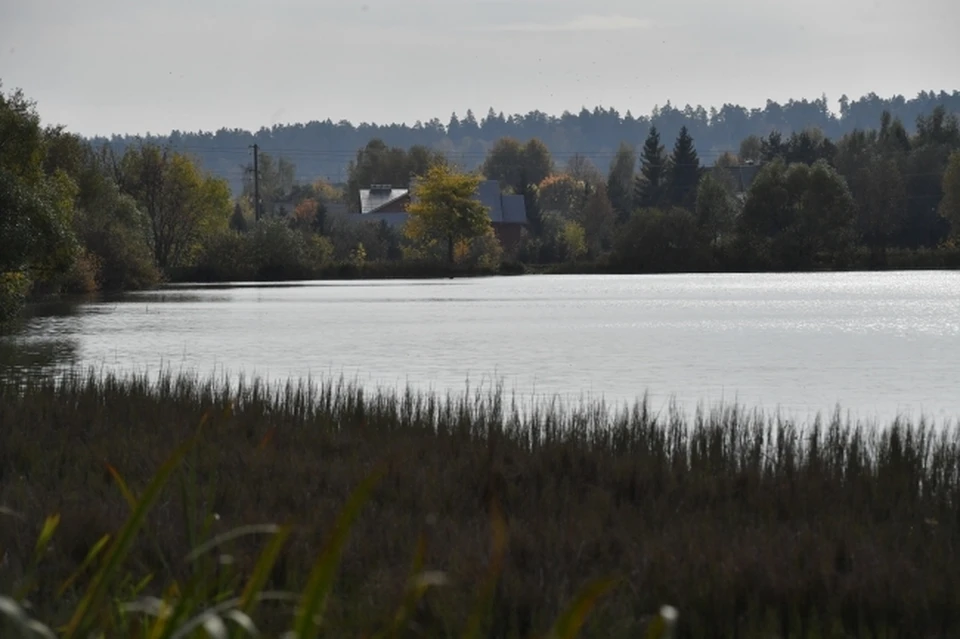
[(877, 344)]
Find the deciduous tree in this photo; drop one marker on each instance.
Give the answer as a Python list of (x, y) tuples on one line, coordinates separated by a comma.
[(716, 209), (516, 165), (445, 208), (798, 215), (574, 240), (598, 220), (581, 169), (562, 194), (36, 206), (182, 204), (620, 181), (950, 204)]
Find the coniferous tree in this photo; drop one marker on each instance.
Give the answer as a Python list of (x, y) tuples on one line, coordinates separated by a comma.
[(684, 172), (649, 189)]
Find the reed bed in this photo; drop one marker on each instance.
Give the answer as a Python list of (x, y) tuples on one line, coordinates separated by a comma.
[(750, 524)]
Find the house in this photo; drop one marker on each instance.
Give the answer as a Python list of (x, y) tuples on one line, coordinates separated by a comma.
[(508, 213), (383, 198)]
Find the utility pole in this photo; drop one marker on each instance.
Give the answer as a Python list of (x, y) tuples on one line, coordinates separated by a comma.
[(256, 184)]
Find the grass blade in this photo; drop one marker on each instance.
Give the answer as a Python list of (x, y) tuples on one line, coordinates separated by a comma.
[(88, 606), (230, 535), (124, 489), (243, 621), (215, 627), (261, 571), (572, 620), (46, 534), (322, 576), (89, 559)]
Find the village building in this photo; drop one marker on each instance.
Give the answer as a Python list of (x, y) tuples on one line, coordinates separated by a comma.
[(508, 213)]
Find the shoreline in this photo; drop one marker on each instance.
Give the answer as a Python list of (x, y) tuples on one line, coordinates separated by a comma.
[(602, 411)]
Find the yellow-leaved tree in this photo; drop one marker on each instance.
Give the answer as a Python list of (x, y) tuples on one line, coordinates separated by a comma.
[(950, 204), (445, 209)]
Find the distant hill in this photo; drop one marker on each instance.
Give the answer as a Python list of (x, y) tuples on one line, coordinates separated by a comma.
[(324, 149)]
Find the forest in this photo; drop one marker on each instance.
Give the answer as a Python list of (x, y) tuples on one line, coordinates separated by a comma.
[(323, 149)]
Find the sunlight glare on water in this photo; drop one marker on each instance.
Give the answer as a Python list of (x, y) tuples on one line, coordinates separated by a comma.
[(879, 344)]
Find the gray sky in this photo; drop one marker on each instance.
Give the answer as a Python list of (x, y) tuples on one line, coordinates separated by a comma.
[(133, 66)]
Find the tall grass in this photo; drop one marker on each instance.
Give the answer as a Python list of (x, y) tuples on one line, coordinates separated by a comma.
[(750, 524)]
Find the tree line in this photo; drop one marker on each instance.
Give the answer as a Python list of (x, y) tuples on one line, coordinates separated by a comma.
[(80, 217), (798, 201), (324, 148)]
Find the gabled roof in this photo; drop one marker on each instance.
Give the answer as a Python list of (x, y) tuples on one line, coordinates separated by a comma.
[(379, 196), (489, 196), (503, 209), (514, 209)]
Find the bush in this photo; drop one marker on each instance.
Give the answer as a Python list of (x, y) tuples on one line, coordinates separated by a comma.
[(226, 256), (13, 292), (661, 241), (83, 275)]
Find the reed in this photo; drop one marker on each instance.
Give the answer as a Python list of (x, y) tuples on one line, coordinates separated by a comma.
[(750, 524)]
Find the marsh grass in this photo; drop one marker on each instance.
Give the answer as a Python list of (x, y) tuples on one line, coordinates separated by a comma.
[(752, 525)]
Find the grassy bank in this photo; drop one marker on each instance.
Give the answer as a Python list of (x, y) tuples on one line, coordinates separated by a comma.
[(750, 526)]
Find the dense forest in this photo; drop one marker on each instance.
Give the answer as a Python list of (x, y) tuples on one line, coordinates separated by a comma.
[(323, 149)]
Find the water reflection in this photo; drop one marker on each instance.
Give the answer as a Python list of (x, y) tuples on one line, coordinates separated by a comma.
[(37, 356)]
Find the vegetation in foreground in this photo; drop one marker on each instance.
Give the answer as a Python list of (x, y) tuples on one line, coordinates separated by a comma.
[(751, 526)]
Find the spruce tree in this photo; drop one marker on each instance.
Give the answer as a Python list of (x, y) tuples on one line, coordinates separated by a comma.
[(684, 173), (649, 189)]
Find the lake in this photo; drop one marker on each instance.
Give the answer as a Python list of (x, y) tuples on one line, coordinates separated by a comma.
[(877, 344)]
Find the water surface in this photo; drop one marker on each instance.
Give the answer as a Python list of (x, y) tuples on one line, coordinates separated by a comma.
[(879, 344)]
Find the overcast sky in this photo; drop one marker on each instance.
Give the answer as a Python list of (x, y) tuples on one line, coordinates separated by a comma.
[(133, 66)]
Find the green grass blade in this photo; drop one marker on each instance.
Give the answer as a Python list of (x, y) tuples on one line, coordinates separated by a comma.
[(89, 559), (46, 534), (320, 582), (568, 625), (261, 571), (124, 489), (88, 606)]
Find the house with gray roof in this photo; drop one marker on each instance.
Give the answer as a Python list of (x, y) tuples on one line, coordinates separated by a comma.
[(508, 213), (383, 198)]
